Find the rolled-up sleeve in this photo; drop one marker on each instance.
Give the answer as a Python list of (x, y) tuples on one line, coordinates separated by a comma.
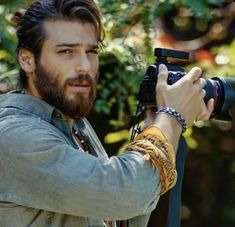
[(40, 169)]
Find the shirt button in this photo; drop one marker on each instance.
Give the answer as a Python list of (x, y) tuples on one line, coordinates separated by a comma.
[(49, 219), (58, 115)]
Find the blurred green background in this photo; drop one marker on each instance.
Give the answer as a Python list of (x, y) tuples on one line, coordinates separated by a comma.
[(134, 28)]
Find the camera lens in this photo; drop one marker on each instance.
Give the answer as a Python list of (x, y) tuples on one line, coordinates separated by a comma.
[(222, 89)]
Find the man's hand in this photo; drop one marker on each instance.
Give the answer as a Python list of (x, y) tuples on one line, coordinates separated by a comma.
[(186, 96)]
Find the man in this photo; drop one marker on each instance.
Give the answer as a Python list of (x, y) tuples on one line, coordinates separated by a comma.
[(54, 171)]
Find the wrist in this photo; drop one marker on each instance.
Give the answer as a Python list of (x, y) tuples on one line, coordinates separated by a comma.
[(170, 127), (174, 114)]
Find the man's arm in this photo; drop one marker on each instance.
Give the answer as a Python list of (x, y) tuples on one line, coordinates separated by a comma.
[(40, 169)]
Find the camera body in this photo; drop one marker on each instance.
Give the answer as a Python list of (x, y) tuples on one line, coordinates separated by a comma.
[(147, 91), (222, 89)]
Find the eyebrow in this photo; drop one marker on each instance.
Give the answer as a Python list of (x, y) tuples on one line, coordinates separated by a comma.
[(76, 45)]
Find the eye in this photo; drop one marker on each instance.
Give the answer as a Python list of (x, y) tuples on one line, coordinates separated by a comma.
[(93, 51), (65, 51)]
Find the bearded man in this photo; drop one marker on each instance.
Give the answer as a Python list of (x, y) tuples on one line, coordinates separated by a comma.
[(53, 169)]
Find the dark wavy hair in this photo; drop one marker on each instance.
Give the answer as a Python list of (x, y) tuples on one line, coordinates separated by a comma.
[(30, 27)]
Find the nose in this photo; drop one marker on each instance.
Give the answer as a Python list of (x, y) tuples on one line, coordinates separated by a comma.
[(83, 64)]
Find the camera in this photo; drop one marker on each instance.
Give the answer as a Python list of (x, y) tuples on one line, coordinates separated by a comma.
[(222, 89)]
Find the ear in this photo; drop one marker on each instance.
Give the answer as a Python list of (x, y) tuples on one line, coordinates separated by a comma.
[(26, 60)]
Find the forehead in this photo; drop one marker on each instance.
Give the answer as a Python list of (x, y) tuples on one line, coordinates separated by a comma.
[(60, 31)]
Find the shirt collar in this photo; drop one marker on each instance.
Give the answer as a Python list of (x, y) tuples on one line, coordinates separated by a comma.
[(30, 104)]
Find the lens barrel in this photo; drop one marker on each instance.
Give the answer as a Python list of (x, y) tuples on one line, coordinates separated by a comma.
[(222, 90)]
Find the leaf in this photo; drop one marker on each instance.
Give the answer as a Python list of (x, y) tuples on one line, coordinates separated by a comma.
[(115, 137), (4, 55)]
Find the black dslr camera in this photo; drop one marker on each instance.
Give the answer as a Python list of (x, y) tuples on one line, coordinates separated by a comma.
[(222, 89)]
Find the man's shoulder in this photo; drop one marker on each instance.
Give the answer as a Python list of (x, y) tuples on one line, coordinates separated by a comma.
[(21, 115), (22, 104), (18, 131)]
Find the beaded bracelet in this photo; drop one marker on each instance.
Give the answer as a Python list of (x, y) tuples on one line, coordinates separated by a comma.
[(177, 115)]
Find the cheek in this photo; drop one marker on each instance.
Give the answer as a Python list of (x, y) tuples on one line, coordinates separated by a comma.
[(57, 71), (95, 67), (55, 65)]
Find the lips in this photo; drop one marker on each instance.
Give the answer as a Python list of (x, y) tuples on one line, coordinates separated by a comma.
[(83, 87), (79, 84)]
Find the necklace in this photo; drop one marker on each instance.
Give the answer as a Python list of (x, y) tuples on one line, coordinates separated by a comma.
[(81, 139)]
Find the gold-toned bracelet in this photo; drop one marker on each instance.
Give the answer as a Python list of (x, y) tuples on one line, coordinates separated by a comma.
[(156, 148)]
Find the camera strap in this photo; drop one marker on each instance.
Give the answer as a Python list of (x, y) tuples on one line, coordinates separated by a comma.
[(174, 207)]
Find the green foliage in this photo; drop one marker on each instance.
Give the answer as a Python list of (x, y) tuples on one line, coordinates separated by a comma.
[(118, 85), (201, 8), (7, 38)]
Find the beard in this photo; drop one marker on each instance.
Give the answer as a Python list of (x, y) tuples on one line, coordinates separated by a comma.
[(54, 93)]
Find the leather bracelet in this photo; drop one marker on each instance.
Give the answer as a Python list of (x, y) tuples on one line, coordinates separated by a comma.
[(174, 113)]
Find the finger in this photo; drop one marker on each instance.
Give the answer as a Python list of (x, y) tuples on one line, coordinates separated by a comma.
[(194, 74), (199, 85), (202, 94), (206, 110), (210, 106), (163, 74)]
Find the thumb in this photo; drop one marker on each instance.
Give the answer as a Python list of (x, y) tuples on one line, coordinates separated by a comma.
[(162, 74)]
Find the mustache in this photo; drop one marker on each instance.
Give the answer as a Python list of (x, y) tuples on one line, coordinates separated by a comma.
[(80, 78)]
